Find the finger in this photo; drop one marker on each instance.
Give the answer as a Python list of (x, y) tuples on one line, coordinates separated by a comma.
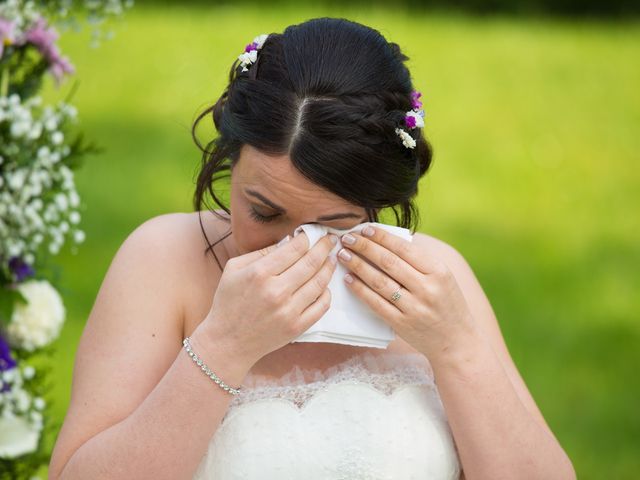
[(388, 311), (308, 292), (314, 312), (248, 258), (300, 244), (375, 280), (383, 259), (407, 250), (302, 270)]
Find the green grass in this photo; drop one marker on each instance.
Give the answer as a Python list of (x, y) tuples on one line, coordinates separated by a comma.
[(535, 181)]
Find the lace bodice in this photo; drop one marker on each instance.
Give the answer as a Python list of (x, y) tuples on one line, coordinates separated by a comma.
[(371, 417)]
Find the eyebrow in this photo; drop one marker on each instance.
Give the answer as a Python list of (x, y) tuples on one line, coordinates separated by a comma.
[(280, 209)]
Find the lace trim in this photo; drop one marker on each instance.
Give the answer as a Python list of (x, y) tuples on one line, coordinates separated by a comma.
[(385, 372)]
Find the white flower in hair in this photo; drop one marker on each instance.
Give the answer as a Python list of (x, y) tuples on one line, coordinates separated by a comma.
[(418, 118), (260, 39), (407, 140), (250, 54)]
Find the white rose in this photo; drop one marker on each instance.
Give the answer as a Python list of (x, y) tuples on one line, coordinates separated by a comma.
[(39, 322), (17, 436)]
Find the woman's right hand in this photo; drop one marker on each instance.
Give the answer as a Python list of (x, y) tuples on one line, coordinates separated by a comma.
[(268, 297)]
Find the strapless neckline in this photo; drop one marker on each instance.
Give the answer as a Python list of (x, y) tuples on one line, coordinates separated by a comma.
[(371, 417), (384, 372)]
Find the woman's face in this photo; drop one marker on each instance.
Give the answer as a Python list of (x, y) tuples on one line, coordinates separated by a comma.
[(270, 198)]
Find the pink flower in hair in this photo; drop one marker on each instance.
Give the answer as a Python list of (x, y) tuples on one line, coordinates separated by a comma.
[(415, 103)]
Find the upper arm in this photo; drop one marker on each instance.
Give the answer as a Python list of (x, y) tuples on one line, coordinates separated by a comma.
[(131, 338), (482, 312)]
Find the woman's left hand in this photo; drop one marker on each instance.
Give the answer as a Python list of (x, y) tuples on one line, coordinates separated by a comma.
[(431, 312)]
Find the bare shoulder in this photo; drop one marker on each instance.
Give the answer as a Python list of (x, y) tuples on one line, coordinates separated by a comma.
[(137, 319), (196, 250)]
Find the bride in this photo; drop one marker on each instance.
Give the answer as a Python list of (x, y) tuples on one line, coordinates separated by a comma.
[(187, 367)]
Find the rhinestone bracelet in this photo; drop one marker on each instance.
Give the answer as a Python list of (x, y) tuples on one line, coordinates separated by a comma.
[(207, 370)]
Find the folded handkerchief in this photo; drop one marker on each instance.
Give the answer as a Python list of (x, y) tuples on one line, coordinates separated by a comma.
[(349, 320)]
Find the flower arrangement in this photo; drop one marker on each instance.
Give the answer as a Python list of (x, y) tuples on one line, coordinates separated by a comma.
[(39, 210), (414, 118)]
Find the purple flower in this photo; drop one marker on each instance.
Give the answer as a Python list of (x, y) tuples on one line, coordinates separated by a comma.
[(44, 38), (6, 362), (6, 33), (251, 46), (20, 268), (415, 103), (410, 121)]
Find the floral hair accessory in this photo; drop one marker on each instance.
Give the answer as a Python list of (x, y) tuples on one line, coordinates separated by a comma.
[(414, 118), (250, 54)]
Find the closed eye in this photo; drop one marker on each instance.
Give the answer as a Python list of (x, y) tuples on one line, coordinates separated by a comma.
[(270, 218)]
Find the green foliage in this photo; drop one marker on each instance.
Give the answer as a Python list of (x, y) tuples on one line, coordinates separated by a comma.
[(25, 67), (9, 297)]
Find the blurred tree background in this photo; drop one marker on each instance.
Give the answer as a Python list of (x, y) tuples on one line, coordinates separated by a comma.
[(534, 119)]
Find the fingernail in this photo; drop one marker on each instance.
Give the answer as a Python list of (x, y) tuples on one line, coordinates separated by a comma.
[(348, 239), (344, 254), (333, 259), (348, 278), (283, 241), (368, 231), (334, 238)]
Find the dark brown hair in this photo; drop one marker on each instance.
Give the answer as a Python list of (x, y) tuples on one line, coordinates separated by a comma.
[(329, 93)]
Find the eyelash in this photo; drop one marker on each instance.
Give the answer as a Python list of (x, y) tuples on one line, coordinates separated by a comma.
[(261, 218)]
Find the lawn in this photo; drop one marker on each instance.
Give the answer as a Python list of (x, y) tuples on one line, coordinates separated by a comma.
[(535, 127)]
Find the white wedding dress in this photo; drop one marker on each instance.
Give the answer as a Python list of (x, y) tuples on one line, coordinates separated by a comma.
[(371, 417)]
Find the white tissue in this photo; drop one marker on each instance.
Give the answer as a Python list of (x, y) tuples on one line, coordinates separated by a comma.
[(349, 320)]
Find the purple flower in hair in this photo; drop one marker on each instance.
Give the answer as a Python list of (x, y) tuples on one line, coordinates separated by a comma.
[(415, 103), (251, 46), (20, 268), (250, 54), (414, 119)]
